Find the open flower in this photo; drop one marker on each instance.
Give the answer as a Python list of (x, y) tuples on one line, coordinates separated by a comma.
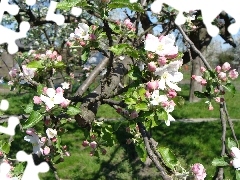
[(65, 85), (29, 72), (36, 143), (199, 171), (52, 98), (51, 133), (157, 99), (81, 32), (170, 80)]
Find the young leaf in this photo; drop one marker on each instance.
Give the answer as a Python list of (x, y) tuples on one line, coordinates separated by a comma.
[(237, 173), (230, 87), (231, 143), (5, 148), (219, 162), (29, 108), (35, 64), (72, 111), (141, 106), (33, 119), (169, 158), (141, 151), (162, 115)]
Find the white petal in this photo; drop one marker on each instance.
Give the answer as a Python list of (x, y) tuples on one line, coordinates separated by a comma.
[(156, 6), (50, 92), (161, 83), (177, 77), (173, 86)]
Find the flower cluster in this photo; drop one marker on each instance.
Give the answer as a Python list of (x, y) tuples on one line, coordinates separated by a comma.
[(18, 74), (44, 145), (81, 35), (93, 145), (164, 66), (52, 97), (235, 153), (199, 171), (129, 25), (49, 55), (214, 79)]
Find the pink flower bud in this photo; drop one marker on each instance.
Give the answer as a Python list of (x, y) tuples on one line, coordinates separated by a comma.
[(162, 61), (216, 91), (46, 150), (133, 115), (164, 103), (82, 43), (151, 86), (59, 90), (69, 44), (65, 103), (85, 143), (197, 78), (37, 100), (210, 107), (54, 139), (233, 74), (171, 93), (203, 69), (59, 58), (226, 66), (152, 67), (64, 147), (45, 90), (43, 139), (31, 131), (92, 37), (199, 171), (222, 76), (218, 69), (93, 144), (203, 82), (119, 110), (147, 94), (67, 153)]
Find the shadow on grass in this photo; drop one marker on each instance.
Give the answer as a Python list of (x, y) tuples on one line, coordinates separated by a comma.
[(191, 142)]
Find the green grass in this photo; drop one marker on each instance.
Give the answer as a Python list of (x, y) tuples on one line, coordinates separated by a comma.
[(191, 142)]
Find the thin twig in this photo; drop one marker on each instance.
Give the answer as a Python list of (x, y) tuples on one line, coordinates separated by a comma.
[(230, 123), (193, 46), (151, 154)]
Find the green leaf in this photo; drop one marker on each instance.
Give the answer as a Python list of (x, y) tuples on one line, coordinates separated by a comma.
[(33, 119), (169, 158), (119, 49), (141, 93), (107, 135), (141, 107), (115, 27), (141, 151), (162, 115), (117, 125), (72, 111), (29, 108), (40, 89), (85, 53), (125, 3), (135, 73), (67, 5), (35, 64), (230, 87), (219, 162), (237, 173), (231, 143), (18, 169), (6, 148), (59, 64), (200, 94), (130, 101)]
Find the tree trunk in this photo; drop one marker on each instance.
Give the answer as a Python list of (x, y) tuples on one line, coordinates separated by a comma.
[(195, 86)]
